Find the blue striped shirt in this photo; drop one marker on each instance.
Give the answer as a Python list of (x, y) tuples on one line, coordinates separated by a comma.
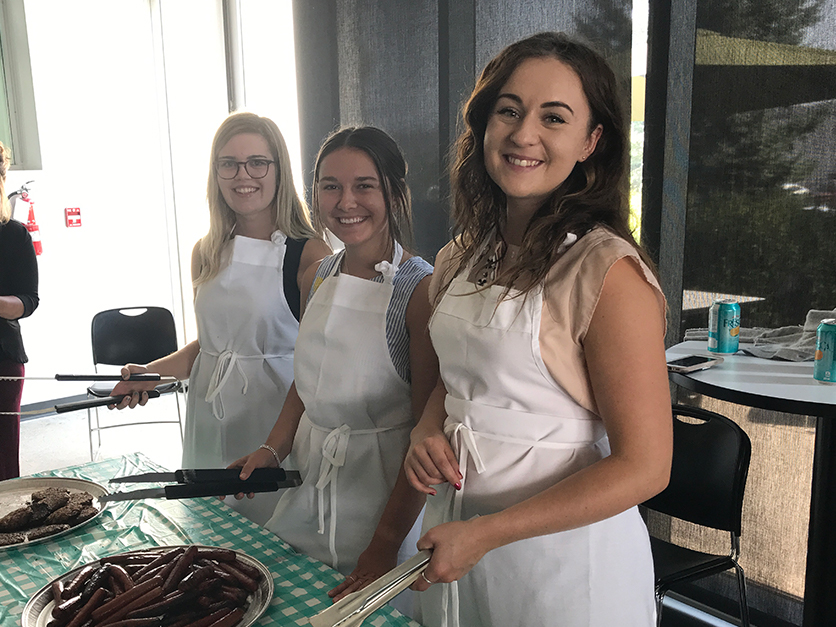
[(409, 274)]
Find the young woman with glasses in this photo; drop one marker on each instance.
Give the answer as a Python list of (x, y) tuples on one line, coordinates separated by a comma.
[(247, 272)]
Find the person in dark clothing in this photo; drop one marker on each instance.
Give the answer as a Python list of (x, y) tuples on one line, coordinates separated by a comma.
[(18, 299)]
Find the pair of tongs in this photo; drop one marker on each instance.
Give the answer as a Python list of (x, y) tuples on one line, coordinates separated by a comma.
[(353, 609), (93, 402), (204, 482)]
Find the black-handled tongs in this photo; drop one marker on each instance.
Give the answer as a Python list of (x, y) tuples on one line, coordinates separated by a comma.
[(139, 376), (63, 408), (205, 482)]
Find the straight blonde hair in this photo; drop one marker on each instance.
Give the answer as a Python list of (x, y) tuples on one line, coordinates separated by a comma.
[(290, 212)]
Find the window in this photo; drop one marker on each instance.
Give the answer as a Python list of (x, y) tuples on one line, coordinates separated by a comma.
[(18, 123)]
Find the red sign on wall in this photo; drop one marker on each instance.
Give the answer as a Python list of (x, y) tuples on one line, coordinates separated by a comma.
[(72, 216)]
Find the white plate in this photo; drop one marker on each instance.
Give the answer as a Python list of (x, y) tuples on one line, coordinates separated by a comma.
[(38, 611), (16, 493)]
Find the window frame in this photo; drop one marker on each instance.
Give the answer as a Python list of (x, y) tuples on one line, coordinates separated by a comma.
[(18, 86)]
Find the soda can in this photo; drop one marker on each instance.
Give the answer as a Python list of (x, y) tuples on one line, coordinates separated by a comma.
[(724, 327), (824, 368)]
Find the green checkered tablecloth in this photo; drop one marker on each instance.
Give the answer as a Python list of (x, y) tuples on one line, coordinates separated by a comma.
[(301, 583)]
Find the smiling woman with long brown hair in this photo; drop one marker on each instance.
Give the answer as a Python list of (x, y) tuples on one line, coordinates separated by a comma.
[(551, 419)]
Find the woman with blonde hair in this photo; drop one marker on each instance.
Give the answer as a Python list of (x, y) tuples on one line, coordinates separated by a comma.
[(18, 299), (247, 271), (551, 420)]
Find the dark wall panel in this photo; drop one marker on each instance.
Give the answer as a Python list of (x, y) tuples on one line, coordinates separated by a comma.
[(407, 66)]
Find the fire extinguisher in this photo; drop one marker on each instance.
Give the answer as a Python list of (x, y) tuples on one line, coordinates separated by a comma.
[(31, 223), (34, 230)]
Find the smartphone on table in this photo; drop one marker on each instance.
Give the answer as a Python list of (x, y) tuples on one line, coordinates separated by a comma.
[(692, 363)]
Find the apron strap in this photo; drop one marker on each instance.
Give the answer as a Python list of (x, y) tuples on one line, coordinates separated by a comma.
[(464, 442), (333, 458), (227, 361), (334, 449)]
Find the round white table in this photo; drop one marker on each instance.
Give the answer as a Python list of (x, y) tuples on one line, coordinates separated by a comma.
[(786, 387)]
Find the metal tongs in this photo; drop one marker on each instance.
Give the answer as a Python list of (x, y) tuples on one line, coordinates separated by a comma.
[(93, 402), (354, 608), (204, 482)]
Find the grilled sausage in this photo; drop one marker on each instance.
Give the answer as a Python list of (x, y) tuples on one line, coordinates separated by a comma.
[(229, 620), (211, 619), (86, 610), (250, 571), (165, 606), (125, 598), (97, 580), (67, 608), (194, 578), (152, 596), (165, 558), (118, 573), (77, 584), (248, 583), (237, 595), (219, 555), (180, 570), (57, 590), (126, 559)]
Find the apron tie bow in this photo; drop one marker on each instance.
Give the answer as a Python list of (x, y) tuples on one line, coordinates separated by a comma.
[(386, 269), (389, 268), (333, 458), (227, 361), (570, 239)]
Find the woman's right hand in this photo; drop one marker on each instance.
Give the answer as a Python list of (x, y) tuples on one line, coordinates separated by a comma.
[(430, 459), (134, 392), (260, 458)]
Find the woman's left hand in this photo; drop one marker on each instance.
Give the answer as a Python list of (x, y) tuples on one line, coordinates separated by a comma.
[(456, 546), (372, 564)]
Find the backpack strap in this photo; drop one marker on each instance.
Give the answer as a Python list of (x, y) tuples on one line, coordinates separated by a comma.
[(290, 271)]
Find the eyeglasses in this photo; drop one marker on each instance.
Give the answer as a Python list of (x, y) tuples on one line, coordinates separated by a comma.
[(228, 168)]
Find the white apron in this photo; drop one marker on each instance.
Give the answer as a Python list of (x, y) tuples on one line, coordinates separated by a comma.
[(355, 430), (516, 432), (245, 366)]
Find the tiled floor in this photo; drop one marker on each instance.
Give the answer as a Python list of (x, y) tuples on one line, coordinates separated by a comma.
[(56, 441)]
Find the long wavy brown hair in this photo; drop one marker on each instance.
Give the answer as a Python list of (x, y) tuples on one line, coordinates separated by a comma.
[(591, 195)]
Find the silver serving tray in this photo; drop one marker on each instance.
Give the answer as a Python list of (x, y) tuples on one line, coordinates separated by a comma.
[(38, 611), (15, 493)]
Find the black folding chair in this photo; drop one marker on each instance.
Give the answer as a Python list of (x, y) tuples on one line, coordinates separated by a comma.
[(132, 334), (708, 478)]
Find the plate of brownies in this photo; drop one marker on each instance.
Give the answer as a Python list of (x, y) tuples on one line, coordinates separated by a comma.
[(34, 509)]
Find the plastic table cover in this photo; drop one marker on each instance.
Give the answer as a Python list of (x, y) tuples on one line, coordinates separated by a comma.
[(301, 583)]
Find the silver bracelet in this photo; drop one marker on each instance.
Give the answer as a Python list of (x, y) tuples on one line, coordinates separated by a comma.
[(267, 447)]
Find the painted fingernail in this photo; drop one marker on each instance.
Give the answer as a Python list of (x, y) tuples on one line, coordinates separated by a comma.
[(433, 493), (458, 485)]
